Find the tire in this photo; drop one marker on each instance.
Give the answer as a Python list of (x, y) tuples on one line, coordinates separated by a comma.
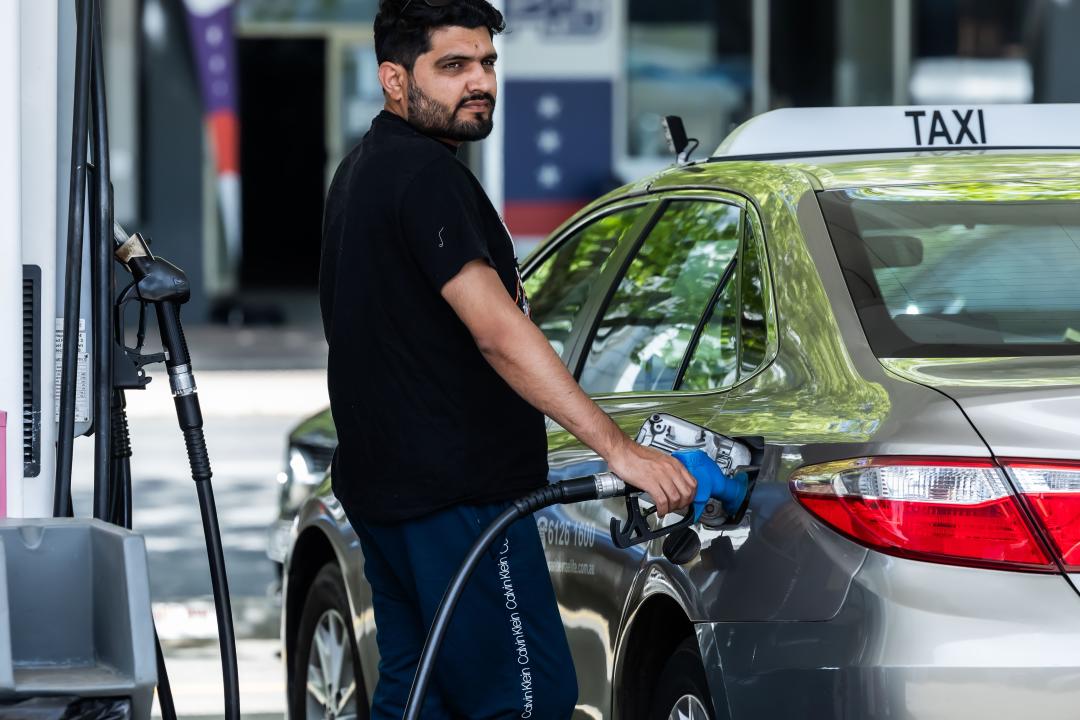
[(682, 690), (326, 615)]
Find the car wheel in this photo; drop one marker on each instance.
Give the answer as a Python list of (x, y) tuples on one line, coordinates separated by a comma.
[(682, 691), (326, 681)]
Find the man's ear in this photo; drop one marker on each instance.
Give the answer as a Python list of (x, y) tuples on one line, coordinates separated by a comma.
[(393, 78)]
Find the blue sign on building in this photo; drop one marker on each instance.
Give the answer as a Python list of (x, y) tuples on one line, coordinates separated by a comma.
[(558, 150)]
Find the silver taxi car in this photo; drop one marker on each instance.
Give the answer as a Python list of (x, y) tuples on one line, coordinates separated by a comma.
[(889, 297)]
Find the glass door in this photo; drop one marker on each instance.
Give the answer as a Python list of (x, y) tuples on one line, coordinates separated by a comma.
[(353, 96)]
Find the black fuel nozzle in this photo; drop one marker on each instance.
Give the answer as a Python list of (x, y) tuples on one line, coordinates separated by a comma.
[(156, 280), (160, 283)]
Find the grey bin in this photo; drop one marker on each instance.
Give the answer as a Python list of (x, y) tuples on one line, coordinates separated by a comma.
[(75, 616)]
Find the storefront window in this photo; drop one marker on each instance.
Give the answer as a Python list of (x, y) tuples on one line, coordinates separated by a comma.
[(687, 58), (362, 96), (973, 51)]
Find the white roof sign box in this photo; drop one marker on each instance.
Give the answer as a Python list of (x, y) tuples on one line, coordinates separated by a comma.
[(825, 131)]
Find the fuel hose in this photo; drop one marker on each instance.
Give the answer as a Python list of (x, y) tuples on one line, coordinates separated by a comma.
[(592, 487), (189, 414)]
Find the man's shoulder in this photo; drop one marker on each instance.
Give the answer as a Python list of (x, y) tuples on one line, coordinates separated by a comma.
[(400, 159)]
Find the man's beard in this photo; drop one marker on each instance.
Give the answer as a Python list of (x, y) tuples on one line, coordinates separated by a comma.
[(431, 117)]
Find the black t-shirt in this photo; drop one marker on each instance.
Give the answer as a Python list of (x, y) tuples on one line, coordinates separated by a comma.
[(423, 420)]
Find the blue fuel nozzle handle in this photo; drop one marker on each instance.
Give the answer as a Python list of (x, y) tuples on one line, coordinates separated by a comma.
[(712, 483)]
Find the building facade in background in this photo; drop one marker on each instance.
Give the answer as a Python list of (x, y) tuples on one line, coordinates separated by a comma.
[(585, 85)]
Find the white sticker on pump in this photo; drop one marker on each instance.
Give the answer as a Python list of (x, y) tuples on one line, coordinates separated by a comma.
[(82, 383)]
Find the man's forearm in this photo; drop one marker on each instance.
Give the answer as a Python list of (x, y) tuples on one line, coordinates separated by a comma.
[(522, 356)]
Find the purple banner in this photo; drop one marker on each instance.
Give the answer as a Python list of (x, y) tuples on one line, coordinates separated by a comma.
[(210, 26)]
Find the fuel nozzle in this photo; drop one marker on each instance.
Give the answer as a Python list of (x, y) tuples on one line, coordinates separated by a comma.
[(723, 467), (712, 483), (714, 487)]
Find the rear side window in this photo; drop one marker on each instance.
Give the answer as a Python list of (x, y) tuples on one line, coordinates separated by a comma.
[(559, 287), (753, 330), (715, 360), (650, 321), (734, 341), (961, 270)]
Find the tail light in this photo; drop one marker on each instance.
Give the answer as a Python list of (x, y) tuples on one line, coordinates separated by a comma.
[(1051, 489), (945, 510)]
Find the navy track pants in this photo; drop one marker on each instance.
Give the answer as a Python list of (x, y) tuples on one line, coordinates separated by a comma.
[(505, 653)]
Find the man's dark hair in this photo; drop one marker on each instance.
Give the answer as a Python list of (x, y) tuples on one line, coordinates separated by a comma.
[(403, 27)]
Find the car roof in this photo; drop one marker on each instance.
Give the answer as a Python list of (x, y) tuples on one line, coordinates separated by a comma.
[(951, 166), (884, 169)]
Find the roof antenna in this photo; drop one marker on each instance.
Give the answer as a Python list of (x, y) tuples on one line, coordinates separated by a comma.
[(677, 141)]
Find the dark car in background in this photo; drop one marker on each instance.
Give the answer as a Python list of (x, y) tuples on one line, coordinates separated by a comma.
[(308, 454)]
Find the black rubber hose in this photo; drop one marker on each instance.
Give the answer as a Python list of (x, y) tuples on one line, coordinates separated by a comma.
[(172, 334), (73, 286), (189, 416), (187, 410), (197, 455), (567, 491), (446, 609), (119, 473), (101, 266), (220, 583), (120, 487), (164, 689)]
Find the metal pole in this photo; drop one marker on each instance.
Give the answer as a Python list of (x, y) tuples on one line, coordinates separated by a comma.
[(901, 50), (760, 56), (493, 150)]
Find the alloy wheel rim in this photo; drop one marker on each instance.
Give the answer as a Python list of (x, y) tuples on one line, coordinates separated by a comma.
[(331, 679), (688, 707)]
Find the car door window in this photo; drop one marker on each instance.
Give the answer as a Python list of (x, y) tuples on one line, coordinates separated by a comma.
[(753, 331), (640, 341), (715, 360), (558, 288), (734, 339)]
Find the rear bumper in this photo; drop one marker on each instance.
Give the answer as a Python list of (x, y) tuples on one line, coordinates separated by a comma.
[(912, 640), (910, 694)]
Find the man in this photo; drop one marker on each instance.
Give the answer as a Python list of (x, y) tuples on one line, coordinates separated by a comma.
[(439, 383)]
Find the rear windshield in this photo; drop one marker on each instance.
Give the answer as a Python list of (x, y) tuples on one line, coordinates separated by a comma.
[(962, 270)]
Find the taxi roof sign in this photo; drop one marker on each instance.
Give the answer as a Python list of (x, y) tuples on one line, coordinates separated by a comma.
[(830, 131)]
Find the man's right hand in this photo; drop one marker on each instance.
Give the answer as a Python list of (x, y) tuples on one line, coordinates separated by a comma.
[(665, 479)]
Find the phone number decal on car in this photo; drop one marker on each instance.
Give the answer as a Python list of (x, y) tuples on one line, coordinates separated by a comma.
[(567, 534)]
